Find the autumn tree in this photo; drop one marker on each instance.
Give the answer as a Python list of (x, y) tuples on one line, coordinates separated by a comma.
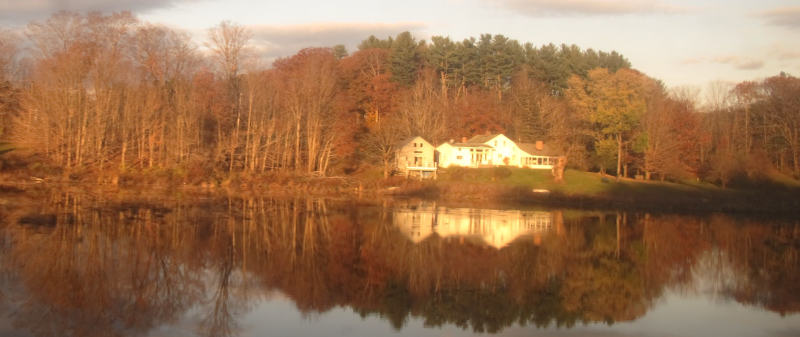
[(166, 61), (309, 86), (780, 108), (613, 102), (423, 111), (77, 87), (477, 113), (671, 136), (745, 94), (228, 43), (370, 94), (8, 94), (753, 127)]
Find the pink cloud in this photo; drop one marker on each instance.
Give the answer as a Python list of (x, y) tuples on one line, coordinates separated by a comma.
[(785, 16), (25, 10), (285, 40), (588, 7)]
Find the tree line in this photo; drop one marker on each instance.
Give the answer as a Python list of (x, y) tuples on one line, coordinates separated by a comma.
[(110, 92)]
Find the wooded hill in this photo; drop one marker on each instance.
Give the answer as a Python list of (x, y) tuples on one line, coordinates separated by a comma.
[(113, 94)]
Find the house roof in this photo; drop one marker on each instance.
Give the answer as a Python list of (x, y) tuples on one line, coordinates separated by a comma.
[(530, 148), (465, 145), (483, 138), (468, 144), (410, 139)]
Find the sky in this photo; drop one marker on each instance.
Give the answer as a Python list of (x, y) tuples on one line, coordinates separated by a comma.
[(682, 42)]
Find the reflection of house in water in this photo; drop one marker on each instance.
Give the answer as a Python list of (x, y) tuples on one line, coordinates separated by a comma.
[(496, 228)]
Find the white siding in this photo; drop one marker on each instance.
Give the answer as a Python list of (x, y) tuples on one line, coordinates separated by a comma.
[(417, 153)]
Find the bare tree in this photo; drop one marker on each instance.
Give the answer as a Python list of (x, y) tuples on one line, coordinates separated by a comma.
[(8, 51), (228, 43), (308, 88), (422, 111)]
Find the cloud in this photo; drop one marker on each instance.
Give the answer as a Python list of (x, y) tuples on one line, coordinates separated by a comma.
[(738, 62), (280, 41), (785, 16), (588, 7), (21, 11), (785, 52), (694, 60)]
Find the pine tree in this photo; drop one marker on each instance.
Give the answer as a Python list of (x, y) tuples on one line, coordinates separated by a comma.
[(404, 59)]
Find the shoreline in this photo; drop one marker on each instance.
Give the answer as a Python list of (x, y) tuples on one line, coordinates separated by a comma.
[(623, 196)]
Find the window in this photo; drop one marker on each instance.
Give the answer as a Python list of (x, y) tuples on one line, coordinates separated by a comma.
[(459, 157)]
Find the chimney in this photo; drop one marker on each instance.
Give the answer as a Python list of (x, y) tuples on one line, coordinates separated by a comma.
[(539, 145), (463, 139), (487, 133), (452, 140)]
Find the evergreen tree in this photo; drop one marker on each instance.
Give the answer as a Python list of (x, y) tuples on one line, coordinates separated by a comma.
[(467, 63), (374, 42), (404, 59), (441, 56), (339, 51)]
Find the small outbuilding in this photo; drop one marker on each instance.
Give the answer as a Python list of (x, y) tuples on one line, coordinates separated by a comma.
[(415, 158), (537, 156)]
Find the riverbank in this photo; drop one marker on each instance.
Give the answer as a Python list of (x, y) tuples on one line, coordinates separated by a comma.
[(593, 190), (506, 186)]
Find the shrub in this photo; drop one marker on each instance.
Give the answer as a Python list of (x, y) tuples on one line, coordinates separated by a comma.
[(501, 172)]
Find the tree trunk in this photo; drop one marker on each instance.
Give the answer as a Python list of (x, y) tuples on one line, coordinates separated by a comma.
[(619, 154), (386, 165), (619, 235)]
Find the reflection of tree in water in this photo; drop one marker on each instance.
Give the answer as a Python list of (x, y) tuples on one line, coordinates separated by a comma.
[(90, 275), (764, 260), (126, 269)]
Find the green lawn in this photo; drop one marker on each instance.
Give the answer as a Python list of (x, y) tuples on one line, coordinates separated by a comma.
[(580, 183)]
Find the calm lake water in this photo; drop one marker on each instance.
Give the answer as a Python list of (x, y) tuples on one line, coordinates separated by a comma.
[(77, 266)]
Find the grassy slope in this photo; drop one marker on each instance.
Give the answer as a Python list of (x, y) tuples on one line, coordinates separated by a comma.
[(779, 193)]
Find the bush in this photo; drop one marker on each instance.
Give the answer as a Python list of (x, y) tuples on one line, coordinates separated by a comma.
[(457, 173), (501, 172)]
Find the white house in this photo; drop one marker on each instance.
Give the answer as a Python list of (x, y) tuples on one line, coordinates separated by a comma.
[(506, 152), (464, 154), (495, 150), (415, 157)]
